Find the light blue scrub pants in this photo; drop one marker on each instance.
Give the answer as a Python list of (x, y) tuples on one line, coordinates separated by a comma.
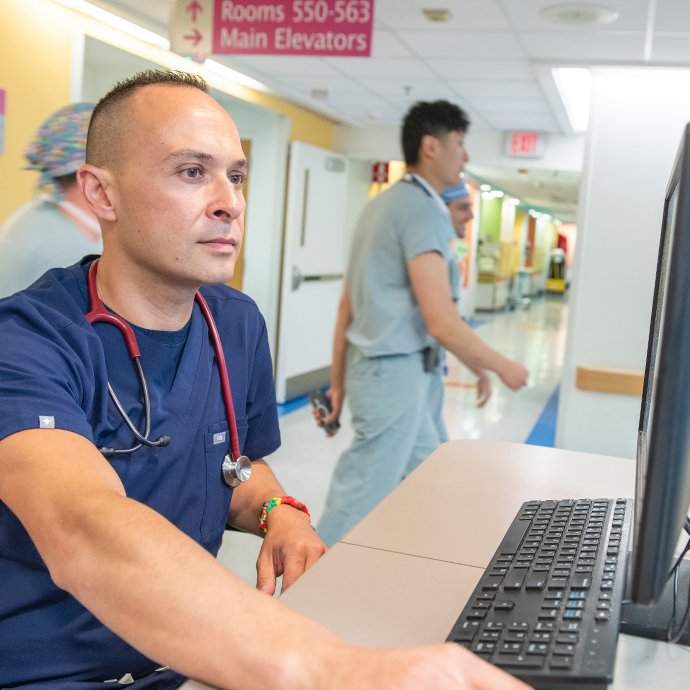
[(396, 414)]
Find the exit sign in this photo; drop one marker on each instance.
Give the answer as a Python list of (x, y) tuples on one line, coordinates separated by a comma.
[(524, 144)]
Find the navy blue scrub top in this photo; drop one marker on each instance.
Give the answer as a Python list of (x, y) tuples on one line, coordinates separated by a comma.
[(54, 364)]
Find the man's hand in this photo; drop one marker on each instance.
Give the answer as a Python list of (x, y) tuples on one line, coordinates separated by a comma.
[(290, 547), (483, 387), (438, 667), (336, 397), (513, 375)]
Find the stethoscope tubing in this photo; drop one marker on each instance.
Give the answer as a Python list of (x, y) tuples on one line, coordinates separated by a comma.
[(99, 313)]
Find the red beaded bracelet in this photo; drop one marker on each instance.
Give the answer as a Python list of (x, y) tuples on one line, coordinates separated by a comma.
[(279, 500)]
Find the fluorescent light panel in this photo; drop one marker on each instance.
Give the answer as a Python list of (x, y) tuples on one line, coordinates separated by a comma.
[(229, 73), (115, 22), (129, 28), (574, 86)]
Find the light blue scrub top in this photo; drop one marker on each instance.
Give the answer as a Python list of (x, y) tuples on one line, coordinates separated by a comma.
[(36, 238), (395, 227)]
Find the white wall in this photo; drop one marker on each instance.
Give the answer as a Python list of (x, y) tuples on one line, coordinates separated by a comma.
[(268, 133), (485, 147), (636, 124)]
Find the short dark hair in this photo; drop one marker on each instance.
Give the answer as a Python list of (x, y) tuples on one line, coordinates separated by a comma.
[(106, 126), (435, 118)]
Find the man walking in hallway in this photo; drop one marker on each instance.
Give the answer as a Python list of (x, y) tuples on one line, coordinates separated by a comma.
[(395, 312)]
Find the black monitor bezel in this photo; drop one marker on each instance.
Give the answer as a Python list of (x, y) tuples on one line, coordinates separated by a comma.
[(663, 462)]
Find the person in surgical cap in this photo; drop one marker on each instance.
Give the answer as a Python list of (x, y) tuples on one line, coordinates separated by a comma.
[(459, 204), (55, 228)]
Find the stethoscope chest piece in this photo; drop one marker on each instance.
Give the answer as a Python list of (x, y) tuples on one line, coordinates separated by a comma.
[(235, 472)]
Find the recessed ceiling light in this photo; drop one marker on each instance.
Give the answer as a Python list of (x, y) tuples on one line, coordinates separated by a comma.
[(439, 15), (579, 14), (319, 93)]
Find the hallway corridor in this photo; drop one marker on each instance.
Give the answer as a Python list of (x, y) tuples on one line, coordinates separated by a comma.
[(536, 336)]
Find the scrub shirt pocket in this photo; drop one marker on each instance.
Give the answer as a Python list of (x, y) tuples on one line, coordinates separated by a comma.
[(218, 493)]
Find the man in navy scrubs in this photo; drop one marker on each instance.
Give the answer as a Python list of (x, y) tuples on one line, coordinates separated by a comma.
[(107, 567)]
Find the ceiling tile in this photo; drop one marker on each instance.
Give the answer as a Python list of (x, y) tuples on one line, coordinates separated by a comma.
[(380, 67), (385, 44), (587, 47), (671, 48), (462, 44), (672, 15), (466, 14), (504, 88), (285, 65), (482, 69), (537, 106), (410, 89)]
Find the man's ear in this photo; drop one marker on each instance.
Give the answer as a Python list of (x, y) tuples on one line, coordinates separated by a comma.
[(94, 184), (428, 147)]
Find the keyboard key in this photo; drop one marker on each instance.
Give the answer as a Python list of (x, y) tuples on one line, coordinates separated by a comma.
[(541, 637), (570, 627), (581, 581), (514, 579), (535, 581), (466, 632), (504, 606), (567, 638), (510, 647), (518, 661), (484, 647), (537, 648), (513, 537), (491, 582), (561, 663)]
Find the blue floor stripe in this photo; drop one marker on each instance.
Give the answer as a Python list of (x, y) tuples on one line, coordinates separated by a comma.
[(544, 431), (476, 323), (292, 405)]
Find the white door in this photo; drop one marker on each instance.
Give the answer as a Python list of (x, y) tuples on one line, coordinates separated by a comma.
[(314, 260)]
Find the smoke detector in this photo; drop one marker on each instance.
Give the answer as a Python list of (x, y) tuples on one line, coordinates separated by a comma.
[(439, 15), (579, 14)]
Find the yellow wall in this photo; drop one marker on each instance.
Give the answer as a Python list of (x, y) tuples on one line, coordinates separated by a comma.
[(35, 53), (36, 39)]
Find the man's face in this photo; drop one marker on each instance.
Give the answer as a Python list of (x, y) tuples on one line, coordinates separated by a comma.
[(460, 214), (177, 187), (452, 157)]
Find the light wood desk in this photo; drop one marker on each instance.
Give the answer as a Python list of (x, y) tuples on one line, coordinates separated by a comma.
[(402, 576)]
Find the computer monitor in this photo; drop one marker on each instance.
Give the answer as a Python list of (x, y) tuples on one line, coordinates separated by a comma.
[(663, 455)]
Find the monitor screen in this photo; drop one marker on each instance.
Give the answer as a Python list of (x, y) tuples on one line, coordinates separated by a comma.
[(663, 454)]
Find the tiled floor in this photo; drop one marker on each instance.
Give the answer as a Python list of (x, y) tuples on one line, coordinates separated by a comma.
[(535, 336)]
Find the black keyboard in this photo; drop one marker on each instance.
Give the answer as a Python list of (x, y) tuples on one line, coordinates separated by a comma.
[(547, 607)]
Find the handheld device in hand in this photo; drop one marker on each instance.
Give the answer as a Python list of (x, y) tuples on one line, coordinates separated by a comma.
[(322, 405)]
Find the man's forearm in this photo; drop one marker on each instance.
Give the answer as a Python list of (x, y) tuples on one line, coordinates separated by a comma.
[(175, 603), (457, 337)]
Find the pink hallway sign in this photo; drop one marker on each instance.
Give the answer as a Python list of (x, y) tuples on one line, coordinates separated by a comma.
[(338, 28)]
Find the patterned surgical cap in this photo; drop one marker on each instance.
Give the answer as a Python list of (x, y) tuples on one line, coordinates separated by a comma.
[(59, 145)]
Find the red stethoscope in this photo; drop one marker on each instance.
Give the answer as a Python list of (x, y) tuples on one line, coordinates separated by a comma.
[(236, 468)]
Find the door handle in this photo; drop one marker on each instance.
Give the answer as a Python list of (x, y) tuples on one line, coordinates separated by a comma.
[(298, 278)]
